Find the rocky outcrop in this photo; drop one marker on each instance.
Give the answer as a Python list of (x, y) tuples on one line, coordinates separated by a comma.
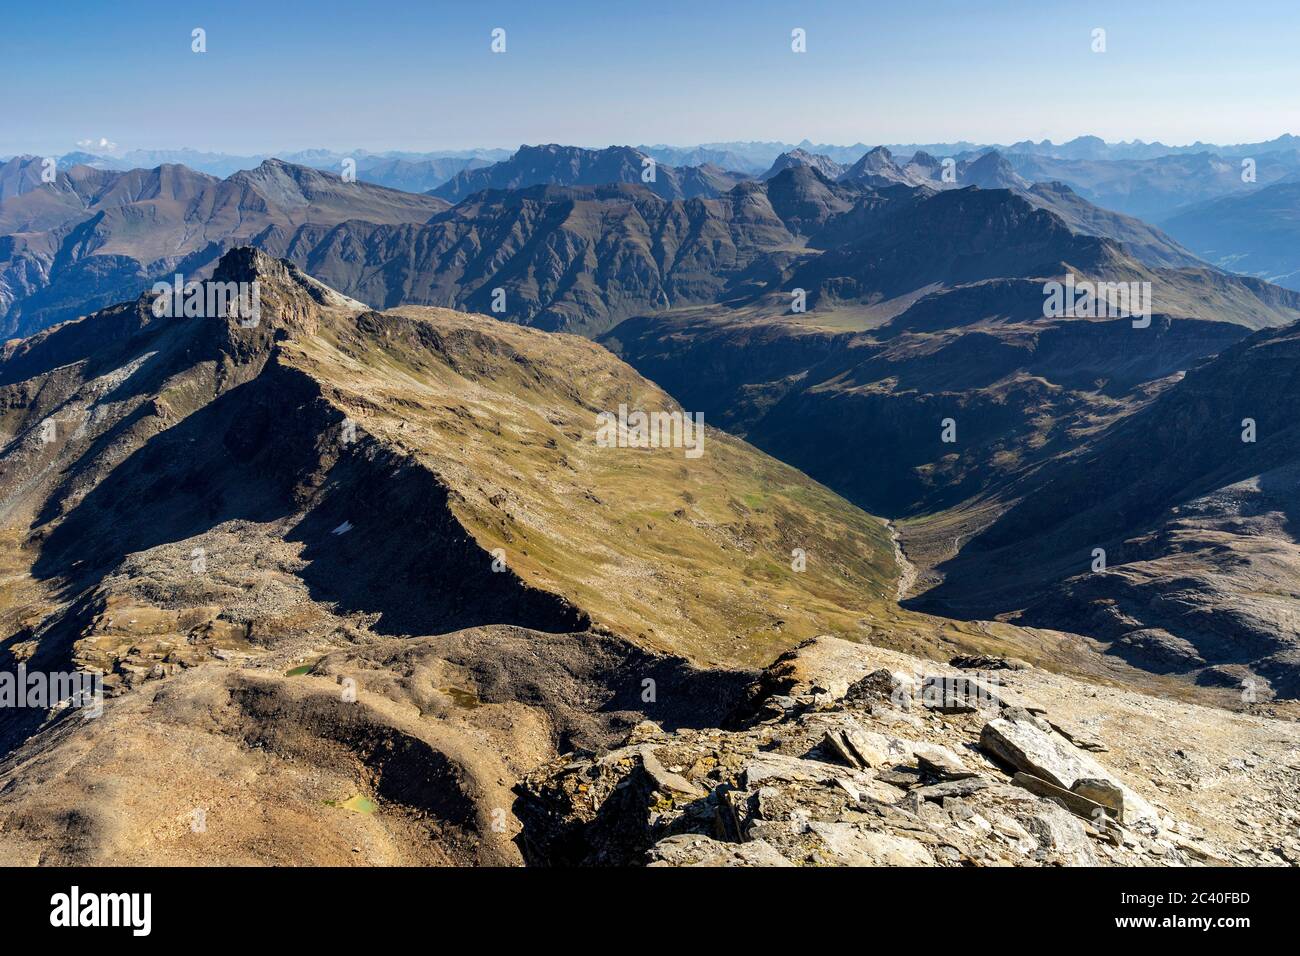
[(816, 776)]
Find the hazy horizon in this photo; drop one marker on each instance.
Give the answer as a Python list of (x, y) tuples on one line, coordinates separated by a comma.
[(118, 149)]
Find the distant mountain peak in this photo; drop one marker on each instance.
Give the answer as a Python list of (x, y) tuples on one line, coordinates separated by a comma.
[(990, 171), (877, 168), (577, 166), (801, 157)]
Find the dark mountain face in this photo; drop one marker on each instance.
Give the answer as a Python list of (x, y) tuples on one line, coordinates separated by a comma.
[(919, 239), (568, 258), (1194, 500), (1256, 232), (589, 259), (1145, 242), (93, 237), (583, 258), (864, 411), (574, 166), (992, 170)]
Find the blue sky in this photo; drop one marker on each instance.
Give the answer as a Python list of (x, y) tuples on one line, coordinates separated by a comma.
[(287, 74)]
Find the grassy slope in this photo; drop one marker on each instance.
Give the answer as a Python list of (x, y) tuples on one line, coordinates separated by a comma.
[(689, 555)]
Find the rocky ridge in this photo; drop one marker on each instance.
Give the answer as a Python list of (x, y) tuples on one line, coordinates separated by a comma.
[(849, 754)]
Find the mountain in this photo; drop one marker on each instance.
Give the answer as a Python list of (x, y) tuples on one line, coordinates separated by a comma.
[(798, 157), (19, 175), (1158, 188), (1095, 148), (876, 168), (243, 524), (414, 175), (750, 157), (575, 258), (214, 164), (574, 166), (989, 171), (744, 157), (992, 170), (924, 166), (899, 243), (1150, 245), (580, 259), (1195, 521), (329, 160), (79, 158), (1256, 232), (931, 315), (93, 237), (702, 156)]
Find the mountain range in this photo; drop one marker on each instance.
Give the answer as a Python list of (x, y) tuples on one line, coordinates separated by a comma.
[(1255, 232), (573, 166), (578, 259), (413, 171), (94, 237)]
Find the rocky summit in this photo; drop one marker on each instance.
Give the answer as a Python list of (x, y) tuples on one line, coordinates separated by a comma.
[(845, 754)]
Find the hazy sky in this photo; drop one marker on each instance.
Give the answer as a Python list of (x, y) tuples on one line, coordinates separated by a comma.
[(281, 75)]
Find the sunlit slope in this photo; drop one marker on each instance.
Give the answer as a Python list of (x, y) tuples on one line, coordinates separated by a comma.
[(693, 554)]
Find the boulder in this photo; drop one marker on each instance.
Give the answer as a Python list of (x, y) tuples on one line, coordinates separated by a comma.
[(940, 762), (693, 849), (848, 844), (1025, 747), (1049, 757), (666, 781), (763, 767), (1079, 736), (988, 662), (1026, 716), (1105, 792), (1059, 835), (950, 789), (1079, 805), (879, 685), (956, 695), (857, 748)]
